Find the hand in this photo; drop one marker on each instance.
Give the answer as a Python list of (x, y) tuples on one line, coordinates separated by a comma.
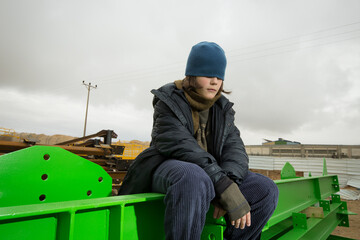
[(246, 219), (218, 212)]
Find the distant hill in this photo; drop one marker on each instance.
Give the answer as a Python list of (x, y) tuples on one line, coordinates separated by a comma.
[(38, 138)]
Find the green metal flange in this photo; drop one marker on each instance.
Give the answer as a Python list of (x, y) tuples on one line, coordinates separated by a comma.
[(325, 204), (42, 174), (324, 168), (288, 171), (335, 198), (335, 184), (344, 213), (299, 220)]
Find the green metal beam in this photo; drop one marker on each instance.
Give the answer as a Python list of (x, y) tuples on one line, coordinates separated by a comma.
[(121, 217), (298, 194), (69, 212), (317, 228)]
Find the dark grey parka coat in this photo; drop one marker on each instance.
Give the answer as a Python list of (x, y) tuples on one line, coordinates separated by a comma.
[(173, 138)]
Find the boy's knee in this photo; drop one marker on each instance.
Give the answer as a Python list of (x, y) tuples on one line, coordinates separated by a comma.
[(272, 194), (196, 176), (270, 188), (261, 190), (194, 179)]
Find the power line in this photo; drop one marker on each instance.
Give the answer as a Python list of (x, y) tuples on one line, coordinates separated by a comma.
[(141, 71), (136, 74), (294, 50), (295, 43), (295, 37), (141, 76), (148, 72)]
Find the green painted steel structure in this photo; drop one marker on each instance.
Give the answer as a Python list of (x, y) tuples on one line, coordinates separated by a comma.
[(50, 193), (49, 174)]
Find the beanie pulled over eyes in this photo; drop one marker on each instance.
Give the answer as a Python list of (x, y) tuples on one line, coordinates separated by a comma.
[(206, 59)]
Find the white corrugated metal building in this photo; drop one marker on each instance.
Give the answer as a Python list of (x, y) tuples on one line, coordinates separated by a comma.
[(348, 170)]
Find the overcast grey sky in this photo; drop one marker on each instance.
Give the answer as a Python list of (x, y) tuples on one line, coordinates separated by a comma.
[(293, 66)]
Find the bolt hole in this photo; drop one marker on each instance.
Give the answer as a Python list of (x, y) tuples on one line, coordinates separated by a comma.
[(44, 177), (89, 193), (46, 156), (100, 179), (42, 197), (211, 237)]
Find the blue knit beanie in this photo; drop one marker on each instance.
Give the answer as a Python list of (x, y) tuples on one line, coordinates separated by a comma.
[(206, 59)]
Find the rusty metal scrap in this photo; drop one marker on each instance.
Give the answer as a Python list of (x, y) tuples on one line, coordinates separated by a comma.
[(103, 153), (106, 134)]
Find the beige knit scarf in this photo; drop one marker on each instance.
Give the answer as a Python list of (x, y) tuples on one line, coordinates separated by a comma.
[(197, 103)]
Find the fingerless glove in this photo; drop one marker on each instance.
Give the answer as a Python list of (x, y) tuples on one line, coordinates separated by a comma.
[(231, 199)]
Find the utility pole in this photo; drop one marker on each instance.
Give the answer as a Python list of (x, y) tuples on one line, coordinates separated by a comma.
[(88, 86)]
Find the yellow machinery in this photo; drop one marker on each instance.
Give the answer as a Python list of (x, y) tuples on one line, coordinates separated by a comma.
[(132, 149), (6, 132)]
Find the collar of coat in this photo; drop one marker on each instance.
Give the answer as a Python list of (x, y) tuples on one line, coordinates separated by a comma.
[(168, 89), (166, 92)]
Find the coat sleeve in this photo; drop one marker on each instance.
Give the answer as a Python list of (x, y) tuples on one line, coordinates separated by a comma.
[(234, 160), (174, 140)]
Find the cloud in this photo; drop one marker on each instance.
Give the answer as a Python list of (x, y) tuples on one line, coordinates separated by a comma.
[(293, 66), (292, 90)]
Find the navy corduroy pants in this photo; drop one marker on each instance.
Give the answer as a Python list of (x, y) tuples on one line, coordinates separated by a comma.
[(189, 190)]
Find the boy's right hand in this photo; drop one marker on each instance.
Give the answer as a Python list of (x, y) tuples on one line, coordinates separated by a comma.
[(241, 222), (234, 203), (246, 219), (218, 212)]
